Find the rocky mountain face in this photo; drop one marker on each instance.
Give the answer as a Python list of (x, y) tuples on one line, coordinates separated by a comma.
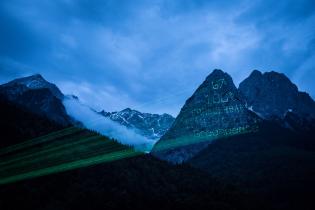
[(33, 82), (272, 94), (215, 110), (152, 126), (274, 97), (34, 93)]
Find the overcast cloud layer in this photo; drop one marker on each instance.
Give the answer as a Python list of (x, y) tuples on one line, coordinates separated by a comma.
[(151, 55)]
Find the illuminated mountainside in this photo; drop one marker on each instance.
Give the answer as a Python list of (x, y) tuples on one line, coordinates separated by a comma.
[(215, 110)]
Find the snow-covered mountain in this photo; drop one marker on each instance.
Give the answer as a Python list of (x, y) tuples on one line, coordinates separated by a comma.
[(152, 126)]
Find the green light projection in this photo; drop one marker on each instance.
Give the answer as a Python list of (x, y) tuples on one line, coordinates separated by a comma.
[(216, 110), (76, 148), (70, 165)]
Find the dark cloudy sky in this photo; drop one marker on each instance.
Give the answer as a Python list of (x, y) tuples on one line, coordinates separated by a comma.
[(151, 55)]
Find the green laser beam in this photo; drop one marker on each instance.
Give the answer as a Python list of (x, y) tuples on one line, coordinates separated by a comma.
[(46, 152), (94, 148), (71, 165), (33, 151), (39, 140), (53, 162)]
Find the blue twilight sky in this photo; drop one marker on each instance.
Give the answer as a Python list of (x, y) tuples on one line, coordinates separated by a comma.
[(151, 55)]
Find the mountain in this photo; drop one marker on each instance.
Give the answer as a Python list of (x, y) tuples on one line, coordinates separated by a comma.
[(215, 110), (37, 95), (33, 82), (273, 96), (152, 126)]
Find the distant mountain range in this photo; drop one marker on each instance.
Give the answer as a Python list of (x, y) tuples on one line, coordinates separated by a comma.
[(152, 126)]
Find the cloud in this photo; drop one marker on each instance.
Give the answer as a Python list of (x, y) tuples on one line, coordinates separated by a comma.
[(105, 126), (108, 95)]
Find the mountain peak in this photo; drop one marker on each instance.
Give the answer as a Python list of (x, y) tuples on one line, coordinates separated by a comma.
[(272, 94), (211, 112), (127, 110), (28, 80), (255, 73), (217, 73), (32, 82), (37, 95), (272, 76), (37, 76)]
